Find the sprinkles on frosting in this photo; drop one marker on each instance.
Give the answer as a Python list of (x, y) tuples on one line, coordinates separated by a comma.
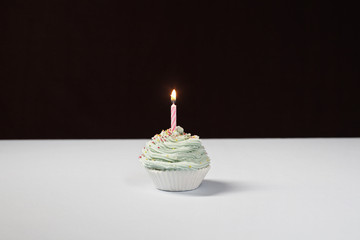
[(174, 151)]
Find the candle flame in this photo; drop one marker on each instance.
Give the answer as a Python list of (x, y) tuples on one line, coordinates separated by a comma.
[(173, 95)]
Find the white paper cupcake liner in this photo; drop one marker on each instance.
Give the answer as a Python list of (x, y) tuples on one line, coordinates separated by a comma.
[(181, 180)]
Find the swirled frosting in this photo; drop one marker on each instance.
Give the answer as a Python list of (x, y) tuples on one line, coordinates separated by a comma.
[(175, 150)]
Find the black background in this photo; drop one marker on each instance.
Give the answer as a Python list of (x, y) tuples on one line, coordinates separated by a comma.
[(105, 69)]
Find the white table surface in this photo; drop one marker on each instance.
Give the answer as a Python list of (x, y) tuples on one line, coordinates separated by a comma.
[(256, 189)]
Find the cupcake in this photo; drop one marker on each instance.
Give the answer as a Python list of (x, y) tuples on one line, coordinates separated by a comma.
[(175, 160)]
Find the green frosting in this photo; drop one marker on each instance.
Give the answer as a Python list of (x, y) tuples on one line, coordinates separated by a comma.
[(175, 150)]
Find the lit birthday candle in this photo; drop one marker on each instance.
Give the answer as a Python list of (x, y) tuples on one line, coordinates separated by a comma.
[(173, 110)]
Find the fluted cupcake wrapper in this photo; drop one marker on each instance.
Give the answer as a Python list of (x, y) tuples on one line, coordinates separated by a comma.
[(178, 180)]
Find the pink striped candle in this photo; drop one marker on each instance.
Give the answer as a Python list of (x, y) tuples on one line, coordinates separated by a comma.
[(173, 110)]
